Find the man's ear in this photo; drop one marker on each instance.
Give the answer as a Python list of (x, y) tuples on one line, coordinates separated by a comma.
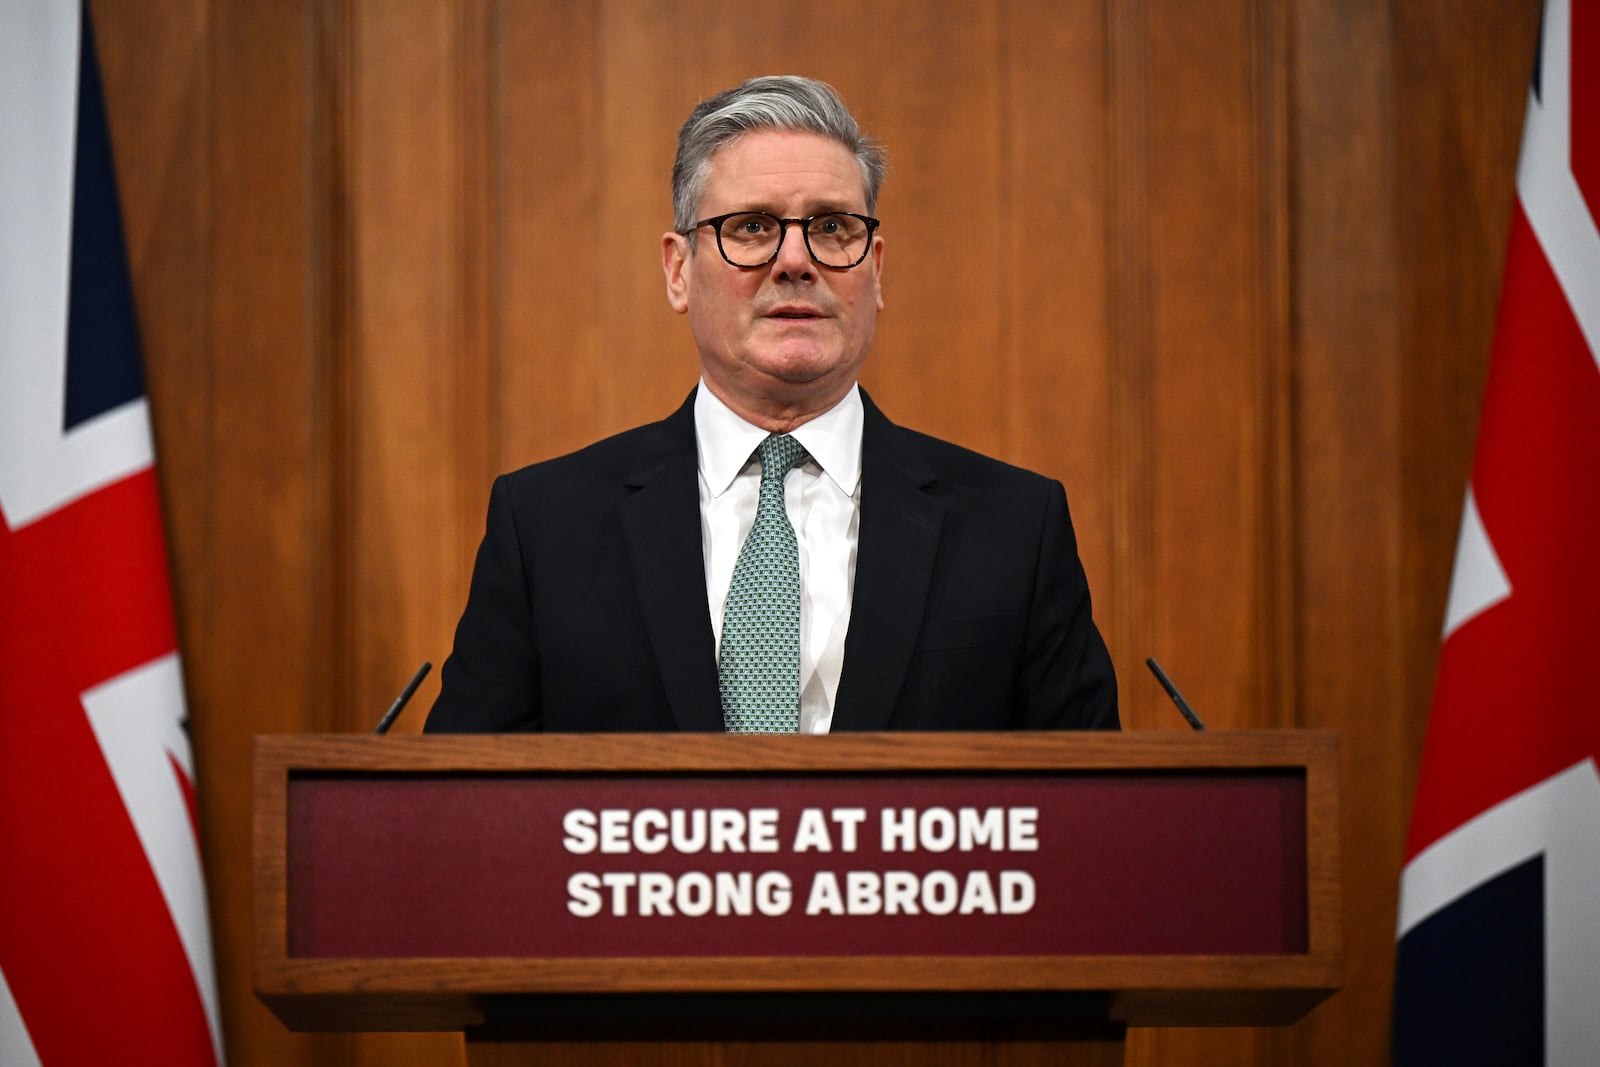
[(675, 253), (877, 270)]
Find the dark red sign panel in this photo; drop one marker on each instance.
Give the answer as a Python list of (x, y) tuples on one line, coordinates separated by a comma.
[(1033, 864)]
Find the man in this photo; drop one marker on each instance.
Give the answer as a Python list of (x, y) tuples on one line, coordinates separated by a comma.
[(776, 555)]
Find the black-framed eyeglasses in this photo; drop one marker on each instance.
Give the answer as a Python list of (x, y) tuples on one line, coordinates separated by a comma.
[(835, 239)]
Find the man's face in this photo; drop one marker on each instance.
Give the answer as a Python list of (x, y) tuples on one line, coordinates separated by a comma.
[(788, 339)]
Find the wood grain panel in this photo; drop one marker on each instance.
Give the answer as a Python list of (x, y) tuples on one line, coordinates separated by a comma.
[(415, 359), (1350, 373), (937, 362), (645, 90), (1201, 295), (408, 363), (550, 252), (1211, 432), (1198, 310), (1053, 349), (265, 536), (1131, 355)]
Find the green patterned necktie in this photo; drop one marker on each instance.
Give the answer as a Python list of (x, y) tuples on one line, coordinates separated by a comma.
[(760, 659)]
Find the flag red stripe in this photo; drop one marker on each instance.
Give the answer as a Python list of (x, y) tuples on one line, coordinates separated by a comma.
[(1514, 697), (87, 944), (84, 592)]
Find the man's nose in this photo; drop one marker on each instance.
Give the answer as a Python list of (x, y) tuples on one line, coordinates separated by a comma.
[(794, 259)]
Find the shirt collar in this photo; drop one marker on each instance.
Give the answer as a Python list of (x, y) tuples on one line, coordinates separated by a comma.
[(726, 441)]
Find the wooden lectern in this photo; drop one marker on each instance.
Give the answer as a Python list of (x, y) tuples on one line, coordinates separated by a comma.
[(882, 898)]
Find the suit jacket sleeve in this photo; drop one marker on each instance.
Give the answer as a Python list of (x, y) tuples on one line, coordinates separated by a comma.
[(1065, 680), (491, 680)]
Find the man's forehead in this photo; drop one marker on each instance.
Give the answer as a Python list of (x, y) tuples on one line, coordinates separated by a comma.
[(786, 163)]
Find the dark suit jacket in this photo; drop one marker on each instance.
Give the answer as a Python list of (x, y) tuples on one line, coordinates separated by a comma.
[(588, 603)]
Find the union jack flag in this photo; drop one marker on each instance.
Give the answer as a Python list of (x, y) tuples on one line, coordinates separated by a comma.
[(1499, 929), (105, 950)]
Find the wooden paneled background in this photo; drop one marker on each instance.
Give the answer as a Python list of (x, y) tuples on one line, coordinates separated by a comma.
[(1228, 268)]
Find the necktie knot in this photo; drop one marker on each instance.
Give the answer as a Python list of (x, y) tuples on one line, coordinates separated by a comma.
[(779, 453)]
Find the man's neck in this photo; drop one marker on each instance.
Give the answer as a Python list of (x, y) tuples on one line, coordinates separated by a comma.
[(779, 415)]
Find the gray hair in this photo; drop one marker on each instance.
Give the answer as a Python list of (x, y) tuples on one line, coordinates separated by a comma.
[(775, 102)]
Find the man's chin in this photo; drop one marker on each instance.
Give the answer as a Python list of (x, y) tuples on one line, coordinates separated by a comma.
[(798, 365)]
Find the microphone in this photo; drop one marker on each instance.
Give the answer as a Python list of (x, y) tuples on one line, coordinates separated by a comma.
[(400, 702), (1172, 691)]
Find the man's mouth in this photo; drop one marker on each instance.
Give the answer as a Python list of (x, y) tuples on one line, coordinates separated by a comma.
[(797, 313)]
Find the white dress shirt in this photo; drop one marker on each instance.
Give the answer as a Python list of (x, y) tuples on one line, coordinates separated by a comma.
[(823, 497)]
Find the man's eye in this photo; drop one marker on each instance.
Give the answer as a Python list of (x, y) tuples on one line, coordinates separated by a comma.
[(750, 226)]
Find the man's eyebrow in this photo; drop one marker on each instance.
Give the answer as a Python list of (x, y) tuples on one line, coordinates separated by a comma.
[(820, 207)]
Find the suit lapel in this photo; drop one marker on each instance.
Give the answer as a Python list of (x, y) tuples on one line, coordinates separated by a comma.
[(899, 538), (661, 523)]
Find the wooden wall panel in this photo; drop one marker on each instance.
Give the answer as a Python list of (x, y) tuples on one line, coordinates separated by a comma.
[(1211, 433), (550, 251), (263, 610), (937, 362), (413, 366), (1227, 269), (645, 347), (1349, 487), (1128, 621), (412, 403), (1053, 348), (1204, 301)]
